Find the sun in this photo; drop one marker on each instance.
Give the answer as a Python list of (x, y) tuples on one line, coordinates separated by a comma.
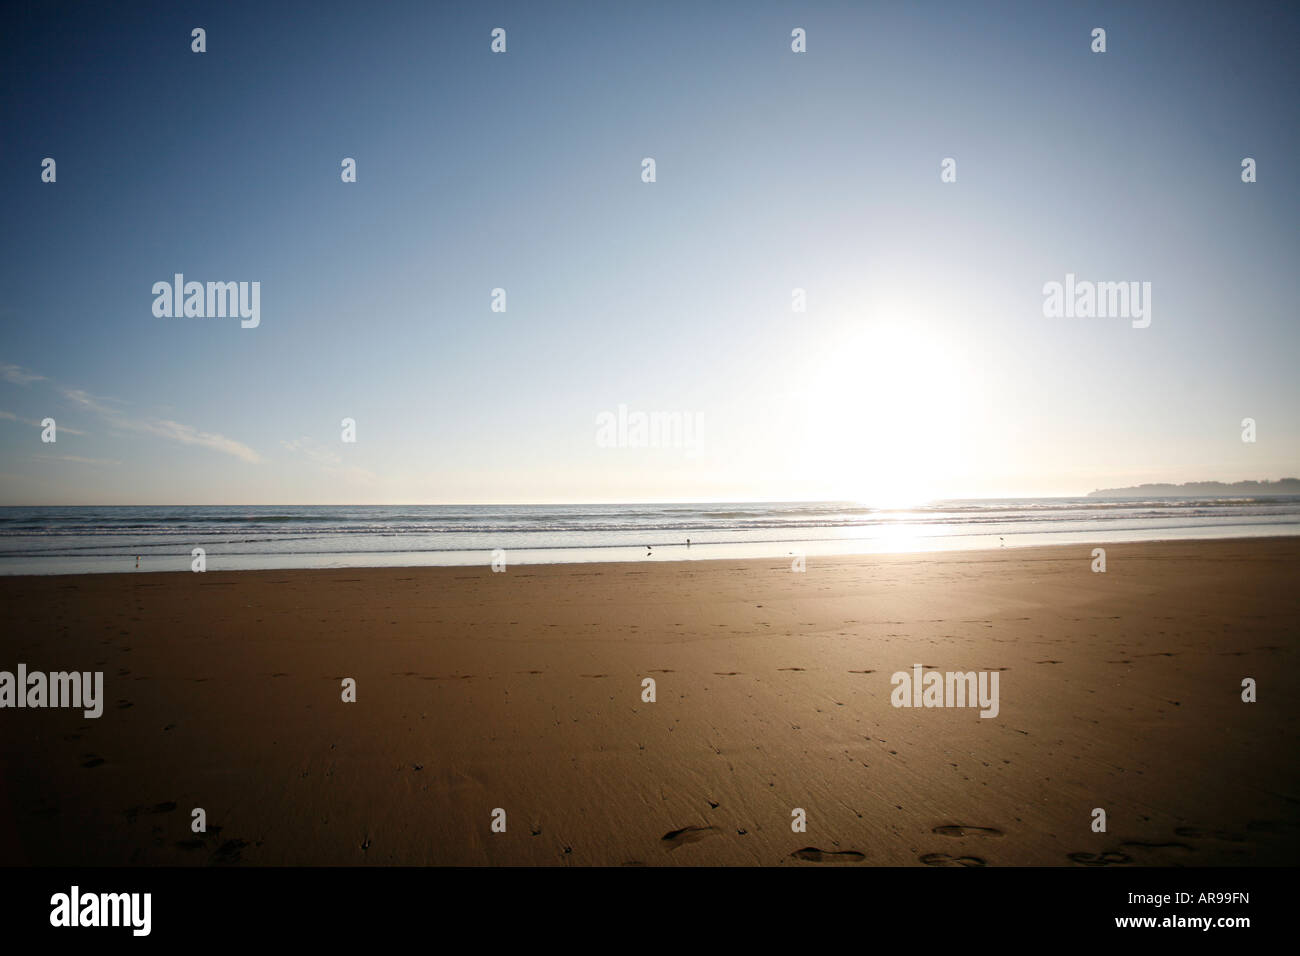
[(885, 416)]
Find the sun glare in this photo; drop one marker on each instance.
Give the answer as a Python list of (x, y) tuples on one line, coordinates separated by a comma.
[(885, 416)]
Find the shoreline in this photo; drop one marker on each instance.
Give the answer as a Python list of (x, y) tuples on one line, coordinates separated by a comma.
[(819, 548)]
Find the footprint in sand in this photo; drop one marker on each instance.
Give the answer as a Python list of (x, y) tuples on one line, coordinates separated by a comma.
[(675, 838), (228, 853), (1197, 834), (168, 806), (961, 830), (1268, 826), (943, 859), (814, 855), (1108, 858), (1141, 845)]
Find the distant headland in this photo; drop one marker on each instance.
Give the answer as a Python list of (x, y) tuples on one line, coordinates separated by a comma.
[(1284, 486)]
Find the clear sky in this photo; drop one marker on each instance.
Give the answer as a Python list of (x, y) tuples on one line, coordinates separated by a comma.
[(924, 364)]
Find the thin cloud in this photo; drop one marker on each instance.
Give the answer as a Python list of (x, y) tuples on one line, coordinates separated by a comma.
[(189, 435), (313, 450), (78, 459), (68, 429), (87, 401), (162, 427), (18, 375), (115, 417), (329, 462)]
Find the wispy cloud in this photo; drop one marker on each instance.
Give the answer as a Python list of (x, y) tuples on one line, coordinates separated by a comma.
[(78, 459), (330, 462), (313, 450), (18, 375), (87, 401), (106, 409), (189, 435), (35, 424)]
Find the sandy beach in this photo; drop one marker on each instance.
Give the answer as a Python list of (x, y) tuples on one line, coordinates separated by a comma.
[(523, 691)]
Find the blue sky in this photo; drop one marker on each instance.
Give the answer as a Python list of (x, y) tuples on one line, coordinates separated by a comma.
[(923, 365)]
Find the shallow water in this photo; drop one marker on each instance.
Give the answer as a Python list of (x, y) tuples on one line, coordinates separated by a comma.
[(65, 540)]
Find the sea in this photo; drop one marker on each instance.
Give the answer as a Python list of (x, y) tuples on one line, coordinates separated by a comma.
[(73, 540)]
